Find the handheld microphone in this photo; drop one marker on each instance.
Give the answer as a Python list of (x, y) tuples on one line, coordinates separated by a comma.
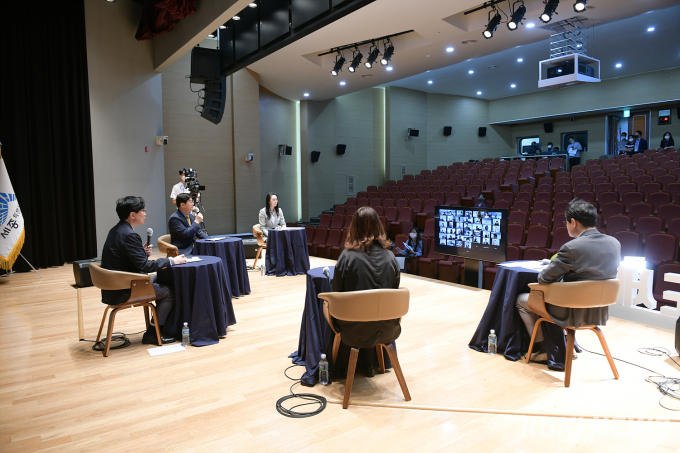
[(327, 273), (149, 233)]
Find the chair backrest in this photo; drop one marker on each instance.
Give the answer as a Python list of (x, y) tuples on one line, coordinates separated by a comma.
[(339, 209), (257, 232), (661, 247), (668, 212), (453, 199), (361, 202), (616, 223), (560, 237), (611, 209), (515, 234), (537, 236), (401, 203), (540, 218), (319, 235), (333, 238), (429, 228), (164, 245), (368, 305), (325, 219), (521, 205), (647, 225), (608, 197), (657, 199), (337, 221), (563, 196), (581, 294), (391, 213), (113, 280), (630, 242), (639, 209), (526, 196), (405, 214), (542, 205), (518, 217), (536, 253)]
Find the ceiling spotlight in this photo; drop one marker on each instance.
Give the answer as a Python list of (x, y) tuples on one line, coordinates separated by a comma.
[(618, 65), (237, 17), (471, 71), (389, 68), (493, 24), (549, 10), (342, 84), (110, 1), (429, 82), (252, 5), (517, 17), (306, 95), (530, 25), (580, 6), (479, 93), (513, 86), (519, 60), (372, 56), (651, 29), (449, 49), (387, 54), (339, 61), (356, 61)]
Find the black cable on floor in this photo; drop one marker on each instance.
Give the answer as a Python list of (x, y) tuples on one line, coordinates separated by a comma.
[(669, 387), (315, 399), (116, 336)]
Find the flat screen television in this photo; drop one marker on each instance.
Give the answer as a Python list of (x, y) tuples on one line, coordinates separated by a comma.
[(474, 233)]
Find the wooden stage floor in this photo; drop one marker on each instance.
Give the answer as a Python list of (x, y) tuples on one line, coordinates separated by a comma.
[(56, 394)]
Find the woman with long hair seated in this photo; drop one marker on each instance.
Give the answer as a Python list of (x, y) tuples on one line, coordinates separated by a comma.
[(365, 263), (271, 216)]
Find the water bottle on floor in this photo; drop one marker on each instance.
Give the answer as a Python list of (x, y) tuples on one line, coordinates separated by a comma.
[(492, 342), (324, 376), (186, 341)]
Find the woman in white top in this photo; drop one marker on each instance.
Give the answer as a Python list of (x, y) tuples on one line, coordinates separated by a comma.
[(271, 216)]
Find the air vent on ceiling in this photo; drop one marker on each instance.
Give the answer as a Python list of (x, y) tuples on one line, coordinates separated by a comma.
[(469, 41), (493, 66), (366, 75)]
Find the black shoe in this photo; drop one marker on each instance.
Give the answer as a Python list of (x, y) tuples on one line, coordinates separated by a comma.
[(369, 372), (556, 367), (577, 348), (151, 338)]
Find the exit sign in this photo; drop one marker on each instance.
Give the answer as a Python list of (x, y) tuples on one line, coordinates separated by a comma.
[(626, 113)]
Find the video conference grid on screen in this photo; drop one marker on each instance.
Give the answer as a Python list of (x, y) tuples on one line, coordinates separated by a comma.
[(476, 233)]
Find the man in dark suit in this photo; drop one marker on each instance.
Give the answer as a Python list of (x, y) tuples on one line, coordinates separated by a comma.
[(641, 144), (124, 251), (184, 227), (591, 255)]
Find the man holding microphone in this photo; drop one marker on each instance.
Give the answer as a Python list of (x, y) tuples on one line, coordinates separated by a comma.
[(184, 227)]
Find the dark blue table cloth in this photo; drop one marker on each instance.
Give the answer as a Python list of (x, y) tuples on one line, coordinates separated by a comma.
[(316, 336), (502, 316), (287, 252), (201, 299), (234, 260)]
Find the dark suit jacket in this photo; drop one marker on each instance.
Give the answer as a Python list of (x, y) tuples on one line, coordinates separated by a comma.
[(358, 271), (124, 251), (642, 146), (183, 234), (591, 256)]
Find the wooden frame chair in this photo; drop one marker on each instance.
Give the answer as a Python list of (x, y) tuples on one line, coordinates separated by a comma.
[(164, 246), (142, 294), (257, 232), (582, 294), (365, 306)]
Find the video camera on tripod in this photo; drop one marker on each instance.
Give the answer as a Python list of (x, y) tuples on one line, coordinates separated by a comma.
[(191, 183)]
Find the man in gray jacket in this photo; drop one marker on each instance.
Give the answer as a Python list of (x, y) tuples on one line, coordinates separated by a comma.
[(591, 255)]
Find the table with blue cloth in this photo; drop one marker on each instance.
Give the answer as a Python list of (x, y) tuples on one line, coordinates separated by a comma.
[(316, 336), (287, 252), (202, 300), (502, 316), (233, 256)]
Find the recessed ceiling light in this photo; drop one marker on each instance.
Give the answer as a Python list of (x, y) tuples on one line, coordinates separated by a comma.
[(471, 71), (389, 68), (449, 49), (519, 60), (342, 83), (530, 25), (222, 27), (513, 86), (618, 65), (237, 18), (479, 93), (651, 29), (429, 82), (306, 95), (252, 5)]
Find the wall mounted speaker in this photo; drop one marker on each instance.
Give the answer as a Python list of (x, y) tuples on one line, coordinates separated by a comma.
[(340, 149), (413, 132), (548, 127), (205, 65), (282, 150), (481, 132), (289, 150), (214, 100), (315, 156), (447, 130)]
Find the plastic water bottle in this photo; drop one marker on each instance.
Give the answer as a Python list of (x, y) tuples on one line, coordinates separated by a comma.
[(324, 376), (186, 341), (492, 342)]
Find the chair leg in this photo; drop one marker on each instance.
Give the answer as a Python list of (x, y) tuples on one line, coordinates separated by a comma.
[(101, 326), (146, 316), (353, 356), (257, 257), (571, 337), (533, 338), (336, 347), (381, 357), (603, 342), (158, 329), (109, 332), (397, 369)]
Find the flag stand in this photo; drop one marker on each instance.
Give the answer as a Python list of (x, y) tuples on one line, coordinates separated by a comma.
[(27, 262)]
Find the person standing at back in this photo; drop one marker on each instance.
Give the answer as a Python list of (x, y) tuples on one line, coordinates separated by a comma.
[(641, 144), (366, 263), (574, 150)]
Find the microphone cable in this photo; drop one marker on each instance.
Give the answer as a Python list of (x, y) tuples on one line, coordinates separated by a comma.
[(313, 398), (668, 386), (115, 336)]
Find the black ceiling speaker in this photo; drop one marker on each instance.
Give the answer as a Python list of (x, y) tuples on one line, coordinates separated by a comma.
[(289, 150), (447, 130), (481, 132), (413, 132), (205, 65), (548, 127), (315, 156), (214, 100), (340, 149)]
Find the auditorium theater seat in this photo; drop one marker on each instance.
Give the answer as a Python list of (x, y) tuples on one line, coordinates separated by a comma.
[(319, 238), (630, 242), (337, 250), (661, 247), (647, 225), (332, 240), (668, 212)]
